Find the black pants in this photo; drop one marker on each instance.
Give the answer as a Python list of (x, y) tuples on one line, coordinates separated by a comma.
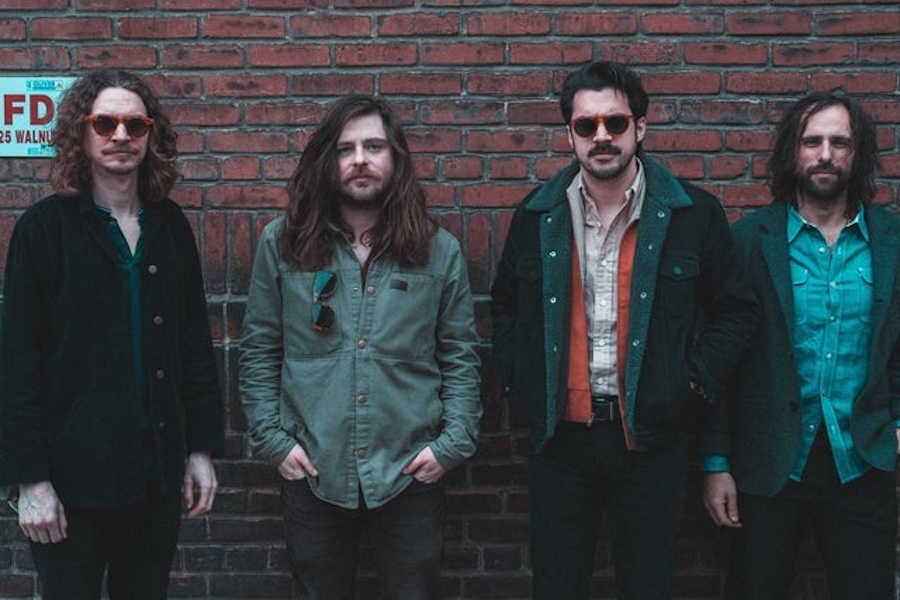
[(854, 526), (583, 472), (406, 533), (134, 545)]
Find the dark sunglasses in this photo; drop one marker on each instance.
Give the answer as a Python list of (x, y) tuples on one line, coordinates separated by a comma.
[(106, 125), (586, 127), (323, 288)]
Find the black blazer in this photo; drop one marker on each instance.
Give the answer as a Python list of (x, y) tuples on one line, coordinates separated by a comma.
[(760, 427), (69, 407)]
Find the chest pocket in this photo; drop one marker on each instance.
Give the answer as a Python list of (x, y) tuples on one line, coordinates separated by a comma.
[(677, 278)]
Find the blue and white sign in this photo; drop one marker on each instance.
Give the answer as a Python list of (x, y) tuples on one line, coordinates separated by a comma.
[(27, 114)]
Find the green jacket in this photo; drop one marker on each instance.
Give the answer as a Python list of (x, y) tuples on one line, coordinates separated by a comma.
[(759, 429), (397, 372), (685, 263)]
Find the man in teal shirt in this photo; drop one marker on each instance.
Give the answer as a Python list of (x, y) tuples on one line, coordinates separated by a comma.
[(810, 435)]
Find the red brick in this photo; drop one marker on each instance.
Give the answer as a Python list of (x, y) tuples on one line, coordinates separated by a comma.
[(248, 141), (272, 55), (518, 140), (369, 4), (426, 83), (461, 112), (240, 167), (428, 139), (747, 112), (157, 28), (247, 196), (728, 166), (878, 52), (189, 141), (508, 24), (240, 262), (595, 23), (114, 5), (642, 53), (329, 25), (725, 53), (533, 83), (196, 56), (750, 141), (493, 196), (200, 5), (214, 249), (478, 251), (12, 29), (33, 4), (463, 167), (534, 113), (821, 53), (288, 4), (198, 169), (751, 194), (360, 55), (242, 26), (690, 83), (686, 23), (780, 23), (418, 24), (687, 167), (440, 195), (766, 82), (326, 84), (118, 56), (217, 115), (293, 113), (509, 167), (693, 140), (425, 166), (858, 23), (564, 53), (867, 82), (279, 167), (244, 86), (71, 28), (469, 54)]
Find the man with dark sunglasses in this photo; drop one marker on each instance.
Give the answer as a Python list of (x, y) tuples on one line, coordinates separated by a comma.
[(359, 371), (110, 406), (608, 271)]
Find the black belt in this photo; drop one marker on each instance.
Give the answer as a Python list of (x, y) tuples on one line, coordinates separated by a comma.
[(604, 409)]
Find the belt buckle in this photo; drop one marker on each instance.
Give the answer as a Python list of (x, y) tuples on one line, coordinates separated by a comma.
[(608, 415)]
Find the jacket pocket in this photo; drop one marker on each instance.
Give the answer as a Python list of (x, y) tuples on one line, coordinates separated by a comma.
[(677, 283)]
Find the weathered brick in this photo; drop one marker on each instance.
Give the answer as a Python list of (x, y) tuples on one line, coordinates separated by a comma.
[(780, 23), (157, 28), (418, 25), (80, 28), (508, 24), (329, 25), (684, 23)]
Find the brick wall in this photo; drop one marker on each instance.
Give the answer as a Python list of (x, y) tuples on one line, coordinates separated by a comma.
[(475, 81)]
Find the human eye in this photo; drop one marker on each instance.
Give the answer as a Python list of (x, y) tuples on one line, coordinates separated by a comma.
[(344, 150), (842, 143), (375, 147)]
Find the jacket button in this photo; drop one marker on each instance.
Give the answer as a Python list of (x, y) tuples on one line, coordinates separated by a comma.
[(361, 453), (161, 425), (160, 374), (362, 399), (370, 290), (157, 320), (152, 269), (361, 343)]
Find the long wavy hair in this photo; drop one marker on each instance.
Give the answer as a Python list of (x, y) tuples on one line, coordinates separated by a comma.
[(72, 169), (783, 177), (404, 229)]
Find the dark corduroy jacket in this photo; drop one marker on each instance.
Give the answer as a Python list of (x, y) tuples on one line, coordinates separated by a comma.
[(69, 408), (685, 264)]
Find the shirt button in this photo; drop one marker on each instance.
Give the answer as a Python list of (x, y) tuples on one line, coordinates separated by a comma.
[(157, 320), (160, 374), (821, 249), (361, 399), (152, 269), (602, 343), (361, 453), (361, 343), (370, 290)]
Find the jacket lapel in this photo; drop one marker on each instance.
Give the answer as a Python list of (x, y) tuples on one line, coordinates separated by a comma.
[(774, 247)]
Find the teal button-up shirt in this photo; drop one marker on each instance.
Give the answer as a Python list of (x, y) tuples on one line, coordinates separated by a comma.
[(832, 333), (832, 290)]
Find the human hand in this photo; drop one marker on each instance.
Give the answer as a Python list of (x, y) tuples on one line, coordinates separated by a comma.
[(200, 484), (425, 467), (296, 465), (42, 517), (720, 499)]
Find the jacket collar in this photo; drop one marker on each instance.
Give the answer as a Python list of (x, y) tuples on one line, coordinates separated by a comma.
[(662, 188)]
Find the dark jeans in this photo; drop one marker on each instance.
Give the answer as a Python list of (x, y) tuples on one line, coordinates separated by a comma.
[(583, 472), (135, 545), (406, 534), (854, 526)]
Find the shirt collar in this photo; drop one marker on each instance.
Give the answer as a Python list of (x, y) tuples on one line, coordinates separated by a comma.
[(796, 222)]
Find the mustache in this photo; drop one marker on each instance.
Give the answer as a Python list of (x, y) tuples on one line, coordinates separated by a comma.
[(604, 149)]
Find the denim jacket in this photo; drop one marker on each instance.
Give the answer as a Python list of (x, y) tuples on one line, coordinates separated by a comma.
[(398, 370)]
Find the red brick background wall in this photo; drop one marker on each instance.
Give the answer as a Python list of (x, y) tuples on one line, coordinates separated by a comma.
[(475, 82)]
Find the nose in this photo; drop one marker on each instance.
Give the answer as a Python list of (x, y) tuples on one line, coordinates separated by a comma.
[(359, 155), (120, 133), (601, 133)]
